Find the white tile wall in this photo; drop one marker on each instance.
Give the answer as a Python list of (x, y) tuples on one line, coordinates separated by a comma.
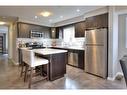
[(79, 42)]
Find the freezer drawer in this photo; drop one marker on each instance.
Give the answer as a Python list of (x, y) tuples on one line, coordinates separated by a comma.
[(96, 60)]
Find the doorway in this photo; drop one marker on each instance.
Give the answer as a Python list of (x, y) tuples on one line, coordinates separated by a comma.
[(3, 39)]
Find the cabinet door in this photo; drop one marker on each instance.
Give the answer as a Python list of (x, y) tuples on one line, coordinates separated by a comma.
[(80, 29), (23, 30), (81, 59), (99, 21), (58, 65), (59, 32)]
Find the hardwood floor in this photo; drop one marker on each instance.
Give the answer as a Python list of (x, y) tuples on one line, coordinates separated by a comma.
[(74, 79)]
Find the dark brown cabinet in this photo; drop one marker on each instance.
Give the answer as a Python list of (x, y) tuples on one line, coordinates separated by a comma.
[(99, 21), (57, 64), (59, 32), (81, 59), (25, 28), (56, 33), (80, 29), (80, 56)]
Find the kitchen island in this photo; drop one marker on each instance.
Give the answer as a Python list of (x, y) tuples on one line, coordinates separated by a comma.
[(57, 61), (75, 55)]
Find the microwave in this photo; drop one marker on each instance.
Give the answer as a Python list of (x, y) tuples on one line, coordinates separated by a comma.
[(36, 34)]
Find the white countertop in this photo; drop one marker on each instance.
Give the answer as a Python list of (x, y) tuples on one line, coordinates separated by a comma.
[(70, 47), (47, 51)]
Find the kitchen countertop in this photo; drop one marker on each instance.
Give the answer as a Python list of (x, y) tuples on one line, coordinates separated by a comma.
[(69, 47), (47, 51), (62, 47)]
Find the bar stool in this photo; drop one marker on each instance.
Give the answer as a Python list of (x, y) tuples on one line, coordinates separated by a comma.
[(33, 61), (123, 63)]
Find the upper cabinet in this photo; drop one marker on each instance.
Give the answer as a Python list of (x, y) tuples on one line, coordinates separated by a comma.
[(57, 33), (80, 29), (24, 30), (99, 21)]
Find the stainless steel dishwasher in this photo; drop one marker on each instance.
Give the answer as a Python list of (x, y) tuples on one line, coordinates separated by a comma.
[(73, 59)]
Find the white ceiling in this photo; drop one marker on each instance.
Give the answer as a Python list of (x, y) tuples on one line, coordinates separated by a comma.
[(27, 13)]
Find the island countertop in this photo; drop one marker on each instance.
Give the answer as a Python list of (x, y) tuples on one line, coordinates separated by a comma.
[(47, 51)]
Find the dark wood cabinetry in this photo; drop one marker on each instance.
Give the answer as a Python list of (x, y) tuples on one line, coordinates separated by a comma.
[(56, 33), (80, 54), (57, 65), (25, 28), (99, 21), (59, 32), (80, 29)]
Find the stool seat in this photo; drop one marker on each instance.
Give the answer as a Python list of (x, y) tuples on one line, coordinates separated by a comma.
[(39, 61)]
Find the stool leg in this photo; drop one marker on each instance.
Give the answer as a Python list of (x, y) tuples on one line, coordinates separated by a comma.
[(22, 66), (30, 79), (47, 72), (41, 70), (26, 70)]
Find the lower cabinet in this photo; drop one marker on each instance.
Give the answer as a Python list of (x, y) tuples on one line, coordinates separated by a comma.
[(75, 57), (57, 65)]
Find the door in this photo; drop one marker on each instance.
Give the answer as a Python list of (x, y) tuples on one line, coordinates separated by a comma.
[(96, 60), (1, 44), (96, 36)]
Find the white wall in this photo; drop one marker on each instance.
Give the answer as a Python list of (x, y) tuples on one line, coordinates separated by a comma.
[(112, 43), (122, 35), (116, 39), (122, 38), (12, 50)]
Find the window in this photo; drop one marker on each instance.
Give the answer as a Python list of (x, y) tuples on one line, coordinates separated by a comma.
[(68, 34)]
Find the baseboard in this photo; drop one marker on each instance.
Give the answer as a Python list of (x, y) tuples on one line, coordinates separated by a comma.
[(113, 78), (16, 63)]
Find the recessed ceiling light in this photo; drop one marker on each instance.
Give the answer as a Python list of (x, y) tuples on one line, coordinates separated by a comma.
[(45, 14), (61, 16), (50, 20), (78, 10), (35, 17), (53, 31), (2, 23)]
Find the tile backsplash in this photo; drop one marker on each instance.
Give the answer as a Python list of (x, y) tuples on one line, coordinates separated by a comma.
[(77, 42)]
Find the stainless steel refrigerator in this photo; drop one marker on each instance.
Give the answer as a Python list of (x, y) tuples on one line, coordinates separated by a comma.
[(96, 52)]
